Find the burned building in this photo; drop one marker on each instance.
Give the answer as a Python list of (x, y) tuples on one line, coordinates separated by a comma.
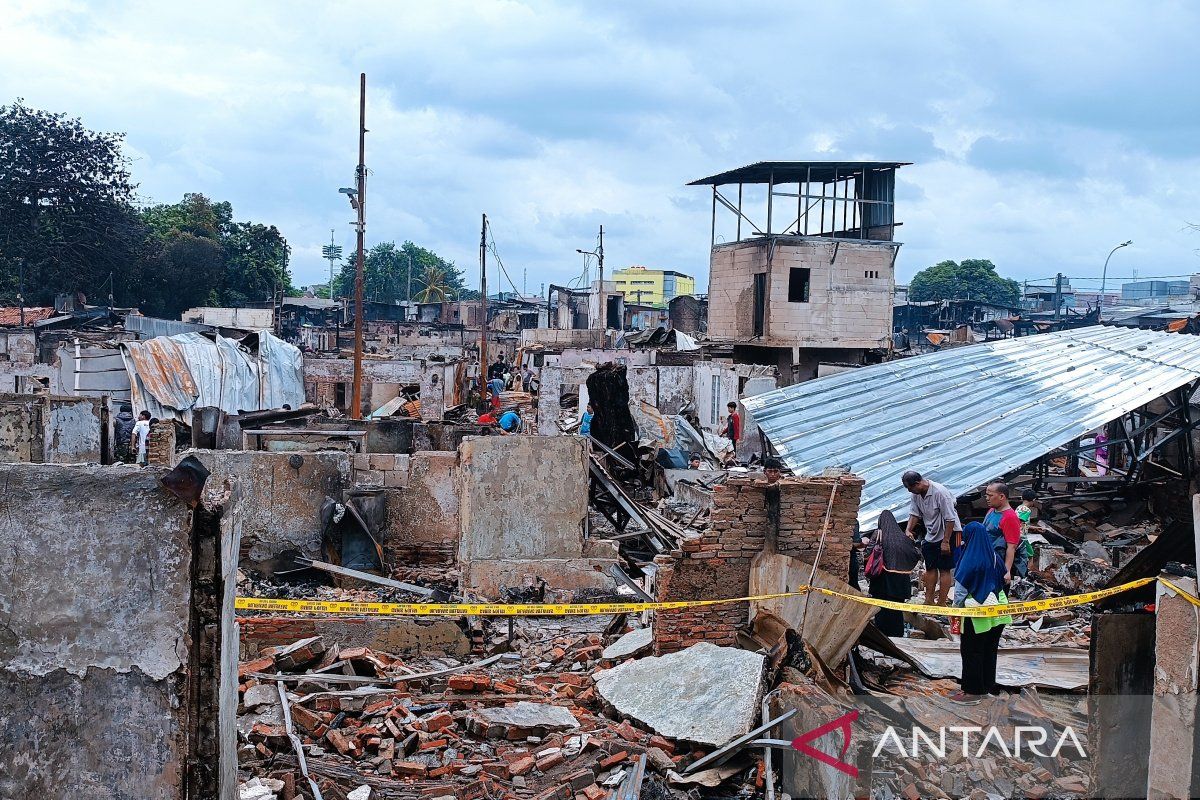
[(809, 277)]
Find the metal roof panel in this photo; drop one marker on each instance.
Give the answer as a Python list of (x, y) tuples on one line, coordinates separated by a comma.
[(967, 415)]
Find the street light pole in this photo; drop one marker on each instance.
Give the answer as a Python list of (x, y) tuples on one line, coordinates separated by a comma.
[(1104, 275), (360, 228)]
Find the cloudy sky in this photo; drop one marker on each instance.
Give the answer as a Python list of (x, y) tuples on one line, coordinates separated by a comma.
[(1041, 134)]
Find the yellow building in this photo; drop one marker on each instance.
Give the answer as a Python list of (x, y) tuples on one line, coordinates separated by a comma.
[(652, 286)]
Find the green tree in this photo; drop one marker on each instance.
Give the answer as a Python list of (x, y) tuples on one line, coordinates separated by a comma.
[(66, 218), (385, 274), (974, 279), (256, 263)]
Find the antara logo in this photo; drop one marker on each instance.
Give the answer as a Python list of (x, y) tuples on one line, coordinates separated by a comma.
[(976, 741), (842, 723)]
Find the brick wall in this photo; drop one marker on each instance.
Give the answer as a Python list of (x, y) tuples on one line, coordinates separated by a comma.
[(716, 564), (160, 447), (422, 526)]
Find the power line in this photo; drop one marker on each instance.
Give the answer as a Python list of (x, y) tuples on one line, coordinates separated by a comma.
[(492, 248)]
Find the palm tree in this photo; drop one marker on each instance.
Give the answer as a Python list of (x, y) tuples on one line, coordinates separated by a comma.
[(435, 285)]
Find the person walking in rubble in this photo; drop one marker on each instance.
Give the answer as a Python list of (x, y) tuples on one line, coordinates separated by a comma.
[(123, 434), (140, 438), (1003, 525), (933, 505), (733, 424), (585, 424), (979, 578)]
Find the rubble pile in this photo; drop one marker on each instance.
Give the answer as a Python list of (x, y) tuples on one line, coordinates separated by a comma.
[(519, 725)]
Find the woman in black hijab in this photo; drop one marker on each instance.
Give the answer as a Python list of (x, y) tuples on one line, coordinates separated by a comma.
[(893, 581)]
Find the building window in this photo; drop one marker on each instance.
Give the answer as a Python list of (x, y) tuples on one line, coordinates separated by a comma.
[(798, 284), (871, 273)]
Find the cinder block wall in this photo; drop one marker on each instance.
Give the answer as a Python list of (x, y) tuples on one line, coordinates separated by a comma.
[(850, 295), (716, 564)]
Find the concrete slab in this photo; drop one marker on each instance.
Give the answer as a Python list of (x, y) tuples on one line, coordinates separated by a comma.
[(630, 644), (703, 693), (522, 719)]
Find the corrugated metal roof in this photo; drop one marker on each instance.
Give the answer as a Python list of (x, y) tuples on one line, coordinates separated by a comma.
[(967, 415), (171, 375), (792, 171)]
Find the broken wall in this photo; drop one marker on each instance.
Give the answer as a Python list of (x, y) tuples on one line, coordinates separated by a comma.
[(281, 495), (49, 428), (421, 493), (524, 514), (20, 428), (72, 430), (749, 517), (96, 631)]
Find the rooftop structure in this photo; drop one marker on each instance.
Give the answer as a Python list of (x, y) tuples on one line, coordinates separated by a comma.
[(812, 280), (842, 199)]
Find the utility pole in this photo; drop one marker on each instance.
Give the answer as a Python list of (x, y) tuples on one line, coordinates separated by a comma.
[(360, 229), (600, 258), (483, 359), (21, 291), (408, 291), (1058, 296)]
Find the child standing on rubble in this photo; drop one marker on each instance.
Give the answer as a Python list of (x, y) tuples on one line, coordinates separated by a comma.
[(1028, 510), (140, 438)]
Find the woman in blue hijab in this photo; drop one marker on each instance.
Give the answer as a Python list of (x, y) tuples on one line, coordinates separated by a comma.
[(979, 581)]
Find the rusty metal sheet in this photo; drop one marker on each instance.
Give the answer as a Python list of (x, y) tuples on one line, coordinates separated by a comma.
[(171, 375)]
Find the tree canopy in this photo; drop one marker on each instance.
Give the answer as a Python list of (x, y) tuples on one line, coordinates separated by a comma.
[(69, 219), (386, 274), (972, 279), (66, 214)]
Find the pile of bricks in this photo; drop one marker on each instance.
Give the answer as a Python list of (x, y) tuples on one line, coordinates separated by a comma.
[(750, 517), (429, 738)]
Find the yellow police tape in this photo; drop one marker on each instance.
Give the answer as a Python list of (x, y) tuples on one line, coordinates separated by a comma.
[(581, 609)]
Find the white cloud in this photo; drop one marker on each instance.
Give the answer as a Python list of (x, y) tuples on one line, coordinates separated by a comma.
[(1040, 133)]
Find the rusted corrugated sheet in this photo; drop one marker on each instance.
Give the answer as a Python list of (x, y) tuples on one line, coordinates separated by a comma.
[(171, 375)]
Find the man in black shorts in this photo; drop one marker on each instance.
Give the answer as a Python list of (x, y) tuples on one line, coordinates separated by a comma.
[(933, 505)]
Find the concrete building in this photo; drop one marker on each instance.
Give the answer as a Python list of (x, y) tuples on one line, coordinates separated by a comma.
[(813, 280), (1151, 292), (655, 287)]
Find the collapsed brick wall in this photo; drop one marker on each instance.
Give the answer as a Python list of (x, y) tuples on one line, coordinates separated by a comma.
[(750, 517)]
